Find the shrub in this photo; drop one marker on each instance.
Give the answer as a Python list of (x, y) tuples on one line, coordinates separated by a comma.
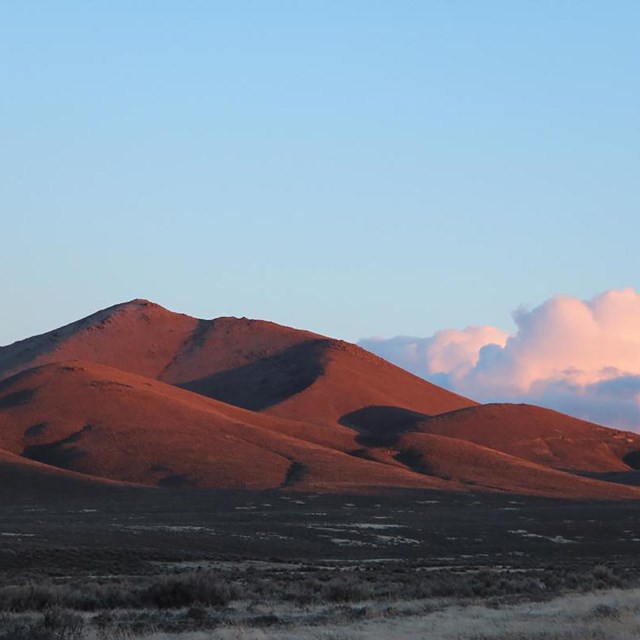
[(346, 589), (185, 590), (56, 624), (605, 611), (65, 625), (29, 597)]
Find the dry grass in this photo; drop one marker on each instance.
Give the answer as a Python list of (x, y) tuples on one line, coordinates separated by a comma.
[(313, 587), (599, 616), (607, 615)]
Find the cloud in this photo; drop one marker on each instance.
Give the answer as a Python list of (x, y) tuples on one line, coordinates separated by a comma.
[(576, 356)]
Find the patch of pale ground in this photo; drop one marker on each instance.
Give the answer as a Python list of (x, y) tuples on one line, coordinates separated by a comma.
[(607, 615)]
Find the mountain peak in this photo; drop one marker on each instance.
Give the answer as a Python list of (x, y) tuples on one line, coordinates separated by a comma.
[(137, 334), (138, 304)]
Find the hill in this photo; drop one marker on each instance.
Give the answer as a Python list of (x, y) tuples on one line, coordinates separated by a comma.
[(252, 364), (138, 394), (102, 422), (538, 435)]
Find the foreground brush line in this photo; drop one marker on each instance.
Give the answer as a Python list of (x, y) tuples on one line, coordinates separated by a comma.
[(604, 615), (225, 592)]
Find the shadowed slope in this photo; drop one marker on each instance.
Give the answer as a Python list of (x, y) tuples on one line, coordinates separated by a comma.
[(144, 338), (265, 382), (353, 379), (382, 425), (25, 478), (539, 435), (320, 380), (100, 421), (229, 344)]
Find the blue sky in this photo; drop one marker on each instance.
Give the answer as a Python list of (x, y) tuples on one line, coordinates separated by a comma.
[(355, 168)]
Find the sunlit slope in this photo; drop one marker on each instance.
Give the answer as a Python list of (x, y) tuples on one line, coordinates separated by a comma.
[(103, 422), (253, 364), (479, 467), (539, 435), (139, 394)]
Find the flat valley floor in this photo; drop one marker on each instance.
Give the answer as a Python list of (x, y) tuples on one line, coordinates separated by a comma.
[(210, 564)]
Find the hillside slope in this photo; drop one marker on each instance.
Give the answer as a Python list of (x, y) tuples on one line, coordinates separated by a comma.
[(253, 364), (138, 394), (105, 423), (102, 422), (538, 435)]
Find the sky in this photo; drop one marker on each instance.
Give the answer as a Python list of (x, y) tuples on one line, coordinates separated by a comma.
[(361, 168), (581, 357)]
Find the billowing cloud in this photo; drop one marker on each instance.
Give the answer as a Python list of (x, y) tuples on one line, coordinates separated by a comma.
[(576, 356)]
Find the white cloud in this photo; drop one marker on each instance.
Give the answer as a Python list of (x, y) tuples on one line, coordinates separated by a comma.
[(580, 357)]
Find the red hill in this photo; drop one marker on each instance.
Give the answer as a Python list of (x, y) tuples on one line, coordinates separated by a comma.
[(138, 394), (250, 363), (538, 435), (102, 422), (479, 467), (21, 478)]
